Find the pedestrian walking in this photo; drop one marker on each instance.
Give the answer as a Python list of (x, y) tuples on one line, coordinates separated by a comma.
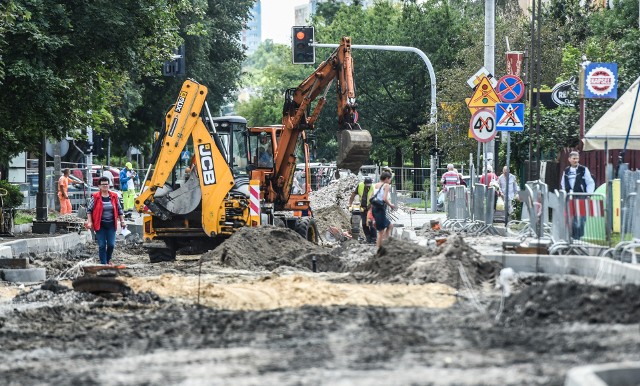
[(63, 192), (364, 190), (379, 202), (509, 179), (103, 212), (449, 179), (489, 177), (128, 187), (577, 178)]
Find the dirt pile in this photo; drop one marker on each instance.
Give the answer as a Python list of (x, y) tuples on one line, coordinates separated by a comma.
[(569, 301), (331, 216), (427, 232), (336, 193), (267, 248), (401, 262)]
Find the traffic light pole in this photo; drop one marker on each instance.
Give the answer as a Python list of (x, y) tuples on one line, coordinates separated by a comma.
[(434, 107)]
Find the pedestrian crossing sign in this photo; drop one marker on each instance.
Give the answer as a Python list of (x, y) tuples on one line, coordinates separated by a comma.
[(510, 116), (484, 96)]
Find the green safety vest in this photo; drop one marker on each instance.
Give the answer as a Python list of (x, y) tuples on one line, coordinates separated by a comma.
[(361, 192)]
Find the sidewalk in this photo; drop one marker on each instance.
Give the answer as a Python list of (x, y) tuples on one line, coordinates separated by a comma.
[(417, 219)]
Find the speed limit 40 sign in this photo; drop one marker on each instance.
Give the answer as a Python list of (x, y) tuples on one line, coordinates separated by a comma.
[(483, 125)]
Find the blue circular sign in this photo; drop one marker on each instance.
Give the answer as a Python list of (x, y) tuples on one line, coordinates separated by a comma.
[(510, 89)]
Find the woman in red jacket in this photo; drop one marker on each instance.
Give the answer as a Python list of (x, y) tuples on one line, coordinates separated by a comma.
[(103, 212)]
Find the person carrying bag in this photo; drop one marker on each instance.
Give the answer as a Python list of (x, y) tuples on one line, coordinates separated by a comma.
[(379, 201)]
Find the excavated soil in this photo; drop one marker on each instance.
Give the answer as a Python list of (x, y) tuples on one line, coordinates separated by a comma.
[(332, 216), (454, 263), (561, 301), (253, 313), (267, 248)]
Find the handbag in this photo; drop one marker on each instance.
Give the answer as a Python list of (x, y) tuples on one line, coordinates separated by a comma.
[(375, 201)]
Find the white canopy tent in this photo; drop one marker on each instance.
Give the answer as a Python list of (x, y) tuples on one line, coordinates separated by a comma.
[(613, 126)]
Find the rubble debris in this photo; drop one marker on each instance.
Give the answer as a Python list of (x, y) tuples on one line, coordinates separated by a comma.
[(336, 193), (560, 301)]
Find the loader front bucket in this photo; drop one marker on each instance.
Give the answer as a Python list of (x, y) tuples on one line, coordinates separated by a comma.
[(353, 149)]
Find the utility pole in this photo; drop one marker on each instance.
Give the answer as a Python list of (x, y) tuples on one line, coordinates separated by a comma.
[(41, 198), (489, 56)]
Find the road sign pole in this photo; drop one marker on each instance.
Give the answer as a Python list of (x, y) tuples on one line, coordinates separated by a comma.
[(478, 164), (508, 182), (490, 43)]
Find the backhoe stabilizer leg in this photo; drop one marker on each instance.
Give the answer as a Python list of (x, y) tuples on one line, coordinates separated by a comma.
[(354, 147)]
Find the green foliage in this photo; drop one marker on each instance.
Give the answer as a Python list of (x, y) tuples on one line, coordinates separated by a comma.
[(269, 72), (71, 64), (23, 217), (14, 197)]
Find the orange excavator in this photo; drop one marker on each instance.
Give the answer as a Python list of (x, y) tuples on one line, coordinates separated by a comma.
[(241, 176), (280, 183)]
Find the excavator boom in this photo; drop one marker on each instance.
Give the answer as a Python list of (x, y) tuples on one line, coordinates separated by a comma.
[(354, 143)]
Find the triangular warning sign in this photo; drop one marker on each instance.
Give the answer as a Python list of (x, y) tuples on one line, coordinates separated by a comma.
[(484, 96), (471, 110)]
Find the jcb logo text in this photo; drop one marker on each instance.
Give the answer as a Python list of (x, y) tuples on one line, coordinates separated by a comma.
[(206, 164)]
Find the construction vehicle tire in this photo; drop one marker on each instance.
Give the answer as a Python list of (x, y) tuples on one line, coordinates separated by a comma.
[(158, 255), (307, 228), (279, 222)]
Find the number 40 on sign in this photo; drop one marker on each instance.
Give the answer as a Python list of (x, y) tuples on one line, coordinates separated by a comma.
[(483, 125)]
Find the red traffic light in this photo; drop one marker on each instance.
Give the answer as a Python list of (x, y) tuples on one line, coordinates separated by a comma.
[(300, 35)]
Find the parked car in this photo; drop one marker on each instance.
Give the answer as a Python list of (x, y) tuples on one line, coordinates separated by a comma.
[(96, 173)]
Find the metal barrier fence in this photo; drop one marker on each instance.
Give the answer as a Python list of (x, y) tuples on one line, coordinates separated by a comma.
[(627, 250), (579, 224), (629, 190), (471, 210), (457, 207)]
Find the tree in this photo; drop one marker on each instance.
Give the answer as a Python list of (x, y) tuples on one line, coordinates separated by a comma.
[(66, 62), (213, 57)]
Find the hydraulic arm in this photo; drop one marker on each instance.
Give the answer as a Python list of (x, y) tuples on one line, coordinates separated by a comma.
[(354, 143), (210, 170)]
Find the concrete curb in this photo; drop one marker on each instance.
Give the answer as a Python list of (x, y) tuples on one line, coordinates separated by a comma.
[(611, 374), (46, 244), (605, 270), (28, 275), (22, 228), (5, 252)]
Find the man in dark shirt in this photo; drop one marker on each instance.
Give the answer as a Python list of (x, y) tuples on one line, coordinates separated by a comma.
[(577, 179)]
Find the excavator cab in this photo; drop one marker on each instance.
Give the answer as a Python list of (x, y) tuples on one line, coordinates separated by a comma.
[(232, 131)]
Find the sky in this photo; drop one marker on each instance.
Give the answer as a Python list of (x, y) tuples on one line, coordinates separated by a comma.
[(278, 18)]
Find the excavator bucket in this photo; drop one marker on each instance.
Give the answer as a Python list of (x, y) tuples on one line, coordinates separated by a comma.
[(353, 149)]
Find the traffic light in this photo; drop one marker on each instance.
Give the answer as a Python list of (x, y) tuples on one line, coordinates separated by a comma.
[(177, 65), (302, 50)]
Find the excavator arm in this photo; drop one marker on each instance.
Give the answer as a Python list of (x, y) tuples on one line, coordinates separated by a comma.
[(211, 171), (354, 143)]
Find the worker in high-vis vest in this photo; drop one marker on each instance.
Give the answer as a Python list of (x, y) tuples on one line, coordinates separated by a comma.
[(364, 190)]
